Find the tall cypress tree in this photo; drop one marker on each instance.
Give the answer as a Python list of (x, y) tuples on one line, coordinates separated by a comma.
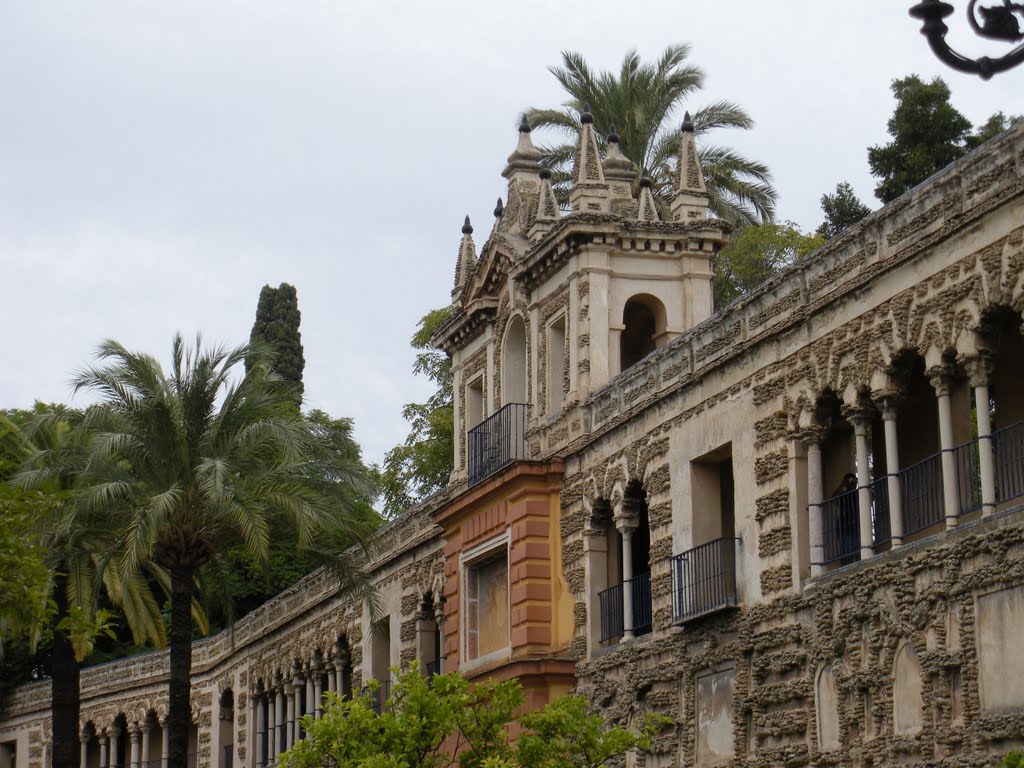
[(277, 325)]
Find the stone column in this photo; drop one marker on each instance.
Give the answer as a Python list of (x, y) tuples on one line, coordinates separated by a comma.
[(941, 380), (145, 743), (626, 526), (115, 746), (892, 470), (104, 754), (312, 701), (261, 730), (318, 693), (289, 720), (861, 420), (135, 735), (165, 743), (299, 692), (83, 759), (980, 368), (815, 496), (273, 703)]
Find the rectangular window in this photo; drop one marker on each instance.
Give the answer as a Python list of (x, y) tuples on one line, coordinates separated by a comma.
[(486, 603), (475, 402)]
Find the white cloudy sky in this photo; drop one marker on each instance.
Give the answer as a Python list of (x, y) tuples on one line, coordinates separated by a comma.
[(161, 161)]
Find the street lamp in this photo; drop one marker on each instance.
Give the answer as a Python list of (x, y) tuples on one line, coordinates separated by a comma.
[(995, 22)]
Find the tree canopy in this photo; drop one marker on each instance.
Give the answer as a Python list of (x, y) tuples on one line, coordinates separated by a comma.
[(422, 464), (842, 209), (642, 102), (445, 721), (754, 254), (277, 326), (190, 461), (928, 133)]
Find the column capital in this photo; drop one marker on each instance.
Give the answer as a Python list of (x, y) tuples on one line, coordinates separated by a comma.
[(859, 414), (626, 525), (979, 368), (941, 379), (134, 733), (84, 736), (887, 400), (813, 434)]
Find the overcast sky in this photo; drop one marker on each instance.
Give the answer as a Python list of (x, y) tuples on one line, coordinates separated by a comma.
[(161, 161)]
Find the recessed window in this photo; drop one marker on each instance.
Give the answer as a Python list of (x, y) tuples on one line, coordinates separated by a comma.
[(475, 402), (556, 364), (486, 602)]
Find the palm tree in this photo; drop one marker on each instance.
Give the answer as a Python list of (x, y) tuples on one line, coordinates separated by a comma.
[(640, 103), (193, 461), (79, 553)]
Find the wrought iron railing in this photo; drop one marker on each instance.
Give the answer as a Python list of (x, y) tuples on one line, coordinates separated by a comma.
[(968, 477), (642, 614), (1008, 456), (921, 492), (611, 612), (704, 579), (881, 528), (432, 668), (228, 756), (840, 517), (612, 601), (497, 442)]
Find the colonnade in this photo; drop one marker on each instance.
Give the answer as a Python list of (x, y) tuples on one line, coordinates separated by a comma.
[(139, 737), (278, 708), (886, 403)]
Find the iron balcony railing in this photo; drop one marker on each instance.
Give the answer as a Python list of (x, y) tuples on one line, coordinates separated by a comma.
[(922, 494), (612, 600), (497, 442), (921, 491), (432, 668), (704, 579), (1008, 456)]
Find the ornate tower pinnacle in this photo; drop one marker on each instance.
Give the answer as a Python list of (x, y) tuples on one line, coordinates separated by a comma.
[(648, 209), (691, 197), (465, 266), (589, 191), (547, 212), (618, 172)]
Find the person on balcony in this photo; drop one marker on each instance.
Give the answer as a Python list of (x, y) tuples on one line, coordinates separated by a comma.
[(847, 519)]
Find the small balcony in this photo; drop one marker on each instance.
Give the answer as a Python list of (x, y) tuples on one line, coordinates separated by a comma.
[(704, 579), (497, 442), (613, 622)]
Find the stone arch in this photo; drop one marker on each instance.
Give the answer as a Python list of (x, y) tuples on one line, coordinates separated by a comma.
[(907, 692), (645, 323), (514, 366)]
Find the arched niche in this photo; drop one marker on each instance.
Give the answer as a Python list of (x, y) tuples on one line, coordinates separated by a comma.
[(907, 693), (643, 329), (513, 362), (827, 707)]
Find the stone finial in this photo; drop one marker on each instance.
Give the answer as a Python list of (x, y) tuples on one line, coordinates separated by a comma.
[(618, 173), (525, 158), (648, 208), (465, 266), (499, 209), (589, 191), (691, 195), (547, 212)]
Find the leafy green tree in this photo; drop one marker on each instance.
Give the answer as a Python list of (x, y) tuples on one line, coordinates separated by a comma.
[(1012, 760), (928, 133), (192, 461), (421, 465), (641, 102), (80, 568), (842, 209), (756, 253), (238, 580), (277, 326), (445, 721)]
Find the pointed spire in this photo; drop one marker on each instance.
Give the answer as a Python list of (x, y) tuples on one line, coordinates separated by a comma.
[(465, 266), (547, 206), (499, 209), (525, 158), (691, 195), (589, 191), (647, 209)]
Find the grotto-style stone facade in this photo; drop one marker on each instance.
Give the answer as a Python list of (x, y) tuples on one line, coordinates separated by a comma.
[(794, 525)]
